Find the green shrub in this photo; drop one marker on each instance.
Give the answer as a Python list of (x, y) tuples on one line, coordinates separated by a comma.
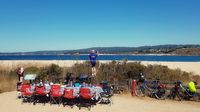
[(81, 68), (32, 70), (52, 72), (49, 72), (114, 71), (120, 71)]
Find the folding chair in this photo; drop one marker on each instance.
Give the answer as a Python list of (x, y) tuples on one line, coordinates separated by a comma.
[(40, 95), (85, 98), (69, 97), (26, 93), (55, 94)]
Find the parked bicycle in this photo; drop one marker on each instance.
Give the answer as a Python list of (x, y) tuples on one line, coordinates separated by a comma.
[(182, 92), (141, 88), (158, 90)]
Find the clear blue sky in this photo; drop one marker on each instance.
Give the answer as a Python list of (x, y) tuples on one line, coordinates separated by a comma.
[(32, 25)]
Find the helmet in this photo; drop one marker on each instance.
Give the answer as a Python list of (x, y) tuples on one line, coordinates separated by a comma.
[(141, 74)]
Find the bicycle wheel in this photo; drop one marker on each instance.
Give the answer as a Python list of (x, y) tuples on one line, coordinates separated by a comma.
[(159, 94)]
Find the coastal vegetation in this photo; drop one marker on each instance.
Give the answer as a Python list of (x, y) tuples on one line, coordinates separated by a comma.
[(115, 71), (187, 51)]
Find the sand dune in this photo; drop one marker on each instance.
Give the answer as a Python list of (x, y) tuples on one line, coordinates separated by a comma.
[(12, 64), (185, 66), (122, 103)]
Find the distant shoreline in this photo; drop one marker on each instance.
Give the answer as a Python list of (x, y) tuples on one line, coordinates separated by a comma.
[(101, 57), (128, 54), (167, 49), (87, 54)]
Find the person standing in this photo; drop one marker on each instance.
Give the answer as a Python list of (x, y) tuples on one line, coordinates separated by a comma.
[(20, 73), (93, 56)]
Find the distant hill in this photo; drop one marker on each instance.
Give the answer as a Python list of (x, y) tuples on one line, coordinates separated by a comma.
[(187, 51), (158, 49)]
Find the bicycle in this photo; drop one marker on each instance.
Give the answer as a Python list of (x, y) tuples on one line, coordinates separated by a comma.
[(158, 90), (142, 88), (182, 93)]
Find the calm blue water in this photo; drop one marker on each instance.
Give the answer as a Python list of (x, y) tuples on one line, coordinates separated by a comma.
[(104, 57)]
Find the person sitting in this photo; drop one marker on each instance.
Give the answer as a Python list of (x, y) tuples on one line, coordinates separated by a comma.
[(57, 82), (47, 85), (84, 84), (40, 83), (192, 87), (65, 82), (77, 84), (33, 86), (68, 77)]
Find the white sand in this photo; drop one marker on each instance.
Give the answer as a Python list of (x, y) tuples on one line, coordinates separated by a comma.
[(126, 103), (193, 67)]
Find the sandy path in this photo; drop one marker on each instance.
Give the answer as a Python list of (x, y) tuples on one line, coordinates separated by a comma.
[(125, 103)]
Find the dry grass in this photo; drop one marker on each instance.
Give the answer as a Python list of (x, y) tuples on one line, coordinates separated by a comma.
[(7, 80), (7, 84)]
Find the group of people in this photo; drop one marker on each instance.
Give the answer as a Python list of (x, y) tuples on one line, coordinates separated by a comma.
[(64, 83)]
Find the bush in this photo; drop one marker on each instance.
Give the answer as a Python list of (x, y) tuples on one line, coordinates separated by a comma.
[(120, 71), (32, 70), (164, 73), (113, 72), (81, 68), (8, 80), (54, 70), (196, 78), (134, 69), (50, 72)]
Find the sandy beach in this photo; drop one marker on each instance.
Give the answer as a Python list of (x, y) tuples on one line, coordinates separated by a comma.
[(13, 64), (185, 66), (122, 103)]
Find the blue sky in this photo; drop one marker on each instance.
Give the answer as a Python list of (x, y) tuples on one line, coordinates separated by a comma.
[(33, 25)]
